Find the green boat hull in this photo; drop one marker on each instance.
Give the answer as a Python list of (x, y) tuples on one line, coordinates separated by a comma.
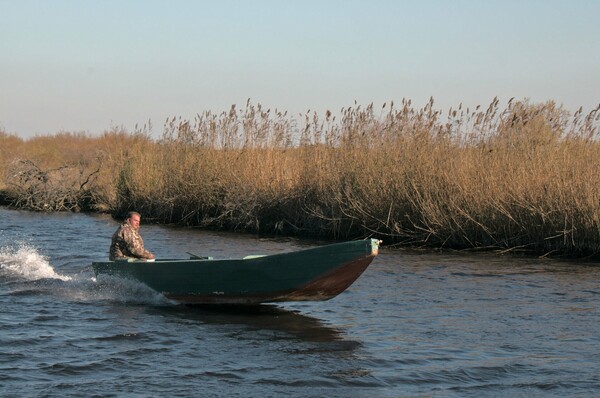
[(318, 273)]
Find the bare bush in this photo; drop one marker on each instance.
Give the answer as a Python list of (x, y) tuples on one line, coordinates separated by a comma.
[(65, 188)]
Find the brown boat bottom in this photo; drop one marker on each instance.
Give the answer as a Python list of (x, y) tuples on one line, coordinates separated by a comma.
[(322, 288)]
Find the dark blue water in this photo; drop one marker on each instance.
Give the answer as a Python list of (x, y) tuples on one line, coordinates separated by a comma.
[(412, 325)]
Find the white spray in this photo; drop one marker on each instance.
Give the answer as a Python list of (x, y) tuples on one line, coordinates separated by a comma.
[(25, 262)]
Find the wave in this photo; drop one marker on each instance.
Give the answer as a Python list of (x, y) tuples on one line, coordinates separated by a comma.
[(24, 262), (125, 291)]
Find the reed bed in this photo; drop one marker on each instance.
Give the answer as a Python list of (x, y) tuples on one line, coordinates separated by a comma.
[(522, 177)]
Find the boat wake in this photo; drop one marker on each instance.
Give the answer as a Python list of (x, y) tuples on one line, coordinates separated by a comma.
[(24, 271), (26, 263), (125, 291)]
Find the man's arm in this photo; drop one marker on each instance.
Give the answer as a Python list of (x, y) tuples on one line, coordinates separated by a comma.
[(135, 244)]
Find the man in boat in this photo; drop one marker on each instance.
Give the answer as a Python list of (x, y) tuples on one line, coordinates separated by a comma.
[(127, 241)]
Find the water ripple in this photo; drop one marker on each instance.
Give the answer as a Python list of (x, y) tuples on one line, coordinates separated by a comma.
[(414, 324)]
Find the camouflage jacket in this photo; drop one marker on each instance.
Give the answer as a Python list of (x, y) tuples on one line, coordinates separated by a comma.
[(127, 242)]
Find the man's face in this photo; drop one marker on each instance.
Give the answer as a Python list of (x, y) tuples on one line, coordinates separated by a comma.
[(135, 221)]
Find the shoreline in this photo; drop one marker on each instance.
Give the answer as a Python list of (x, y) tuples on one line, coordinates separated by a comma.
[(425, 249)]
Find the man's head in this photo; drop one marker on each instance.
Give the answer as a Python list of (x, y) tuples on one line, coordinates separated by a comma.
[(133, 218)]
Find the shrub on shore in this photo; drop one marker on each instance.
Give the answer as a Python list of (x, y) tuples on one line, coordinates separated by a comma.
[(523, 177)]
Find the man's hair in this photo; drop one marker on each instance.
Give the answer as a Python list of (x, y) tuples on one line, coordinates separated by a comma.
[(131, 214)]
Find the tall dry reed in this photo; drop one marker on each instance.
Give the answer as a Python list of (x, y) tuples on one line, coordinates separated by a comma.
[(522, 177)]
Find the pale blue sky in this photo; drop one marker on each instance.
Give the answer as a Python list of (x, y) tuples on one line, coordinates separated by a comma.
[(68, 65)]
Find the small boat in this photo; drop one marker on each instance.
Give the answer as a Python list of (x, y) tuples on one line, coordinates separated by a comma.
[(314, 274)]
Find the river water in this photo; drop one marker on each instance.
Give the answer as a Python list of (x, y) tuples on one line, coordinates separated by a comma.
[(412, 325)]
